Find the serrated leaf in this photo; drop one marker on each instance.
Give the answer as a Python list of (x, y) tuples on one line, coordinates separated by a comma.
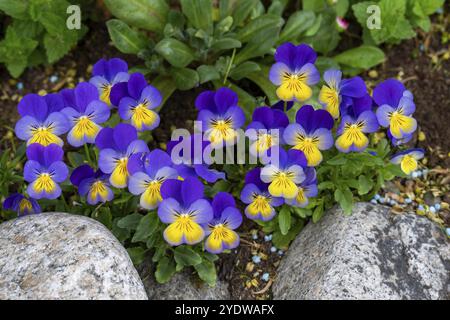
[(124, 38), (15, 8)]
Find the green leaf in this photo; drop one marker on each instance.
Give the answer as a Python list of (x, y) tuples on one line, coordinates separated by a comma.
[(313, 5), (257, 27), (207, 272), (224, 25), (344, 197), (137, 255), (146, 14), (261, 79), (104, 216), (363, 57), (15, 8), (243, 10), (199, 13), (185, 78), (341, 7), (327, 36), (318, 213), (207, 73), (244, 69), (175, 52), (165, 85), (284, 220), (165, 270), (226, 44), (298, 23), (364, 185), (75, 159), (130, 222), (124, 38), (146, 227), (282, 241), (186, 256)]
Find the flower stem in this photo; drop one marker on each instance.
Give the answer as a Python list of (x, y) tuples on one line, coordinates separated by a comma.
[(229, 66), (88, 155)]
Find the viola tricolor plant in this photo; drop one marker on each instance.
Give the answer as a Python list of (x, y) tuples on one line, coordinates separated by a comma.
[(89, 151)]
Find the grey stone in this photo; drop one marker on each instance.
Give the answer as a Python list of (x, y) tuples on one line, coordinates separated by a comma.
[(184, 285), (371, 254), (64, 256)]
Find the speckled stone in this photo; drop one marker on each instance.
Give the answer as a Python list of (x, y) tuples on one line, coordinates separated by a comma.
[(183, 286), (371, 254), (64, 256)]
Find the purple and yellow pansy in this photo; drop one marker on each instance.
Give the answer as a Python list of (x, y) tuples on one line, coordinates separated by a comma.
[(85, 112), (93, 185), (294, 72), (147, 174), (311, 133), (285, 173), (260, 203), (395, 108), (306, 189), (116, 146), (44, 170), (220, 230), (185, 210), (337, 93), (220, 116), (266, 129), (41, 120), (408, 159), (21, 204), (106, 73)]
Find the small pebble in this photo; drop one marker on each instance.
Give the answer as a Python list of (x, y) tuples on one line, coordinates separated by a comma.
[(420, 208), (265, 277), (432, 209), (268, 238), (447, 231), (53, 79), (414, 175), (381, 200), (377, 196), (437, 206), (273, 249), (255, 236), (20, 86), (280, 252), (256, 259), (421, 47), (373, 201), (392, 202), (408, 200)]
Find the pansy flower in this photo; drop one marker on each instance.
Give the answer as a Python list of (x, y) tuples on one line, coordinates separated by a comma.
[(260, 203), (268, 125), (21, 204), (194, 164), (294, 72), (353, 130), (116, 147), (396, 106), (408, 159), (85, 112), (306, 189), (220, 116), (311, 133), (284, 175), (397, 142), (136, 100), (220, 230), (93, 185), (106, 73), (147, 173), (184, 210), (336, 93), (44, 170), (41, 122)]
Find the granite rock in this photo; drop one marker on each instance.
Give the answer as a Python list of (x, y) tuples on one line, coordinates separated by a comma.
[(371, 254), (64, 256)]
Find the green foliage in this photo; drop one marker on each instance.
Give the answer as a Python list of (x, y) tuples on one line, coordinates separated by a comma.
[(225, 42), (36, 33)]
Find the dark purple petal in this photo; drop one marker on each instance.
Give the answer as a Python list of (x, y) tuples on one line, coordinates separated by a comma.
[(68, 96), (221, 201), (253, 177), (388, 92), (104, 139), (171, 188), (85, 93), (81, 173), (263, 115), (52, 153), (11, 203), (100, 67), (123, 135), (55, 102), (33, 105), (225, 98), (136, 84), (304, 54), (286, 53), (280, 120), (118, 91), (156, 160), (136, 163), (209, 175), (115, 65), (312, 120), (205, 100), (191, 190), (296, 157), (281, 104), (353, 87)]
